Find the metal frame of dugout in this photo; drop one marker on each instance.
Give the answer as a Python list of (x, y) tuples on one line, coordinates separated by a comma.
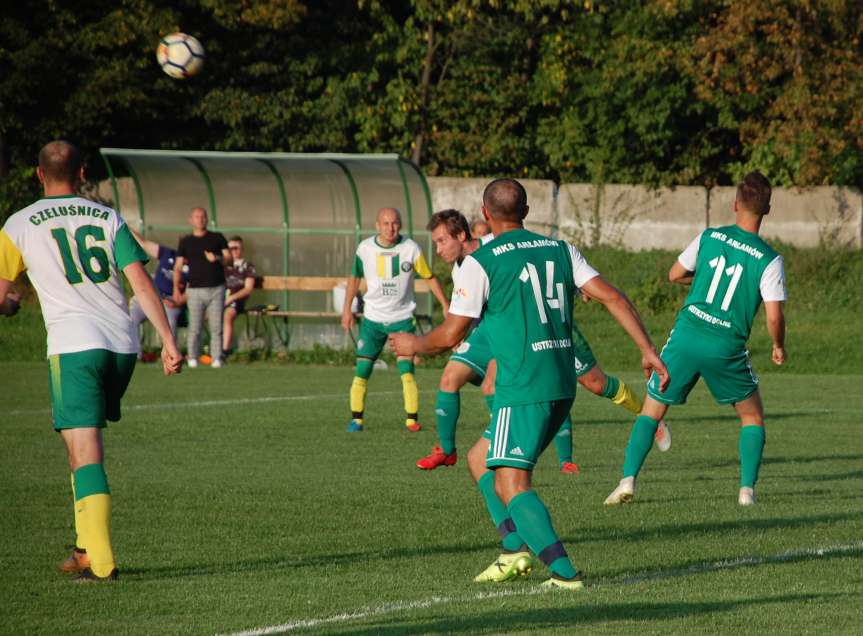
[(299, 214)]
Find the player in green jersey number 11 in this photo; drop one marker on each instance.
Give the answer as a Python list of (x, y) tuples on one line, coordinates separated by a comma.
[(731, 270)]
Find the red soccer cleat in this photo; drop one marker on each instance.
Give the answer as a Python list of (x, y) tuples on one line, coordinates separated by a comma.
[(437, 458), (414, 427), (569, 468)]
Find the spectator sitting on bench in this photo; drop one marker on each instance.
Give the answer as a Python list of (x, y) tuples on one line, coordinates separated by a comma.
[(240, 282)]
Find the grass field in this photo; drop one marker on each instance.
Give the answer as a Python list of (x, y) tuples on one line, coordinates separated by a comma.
[(240, 504)]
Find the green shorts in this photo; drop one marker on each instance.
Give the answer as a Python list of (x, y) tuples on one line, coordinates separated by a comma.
[(373, 335), (725, 368), (475, 352), (86, 386), (584, 360), (519, 434)]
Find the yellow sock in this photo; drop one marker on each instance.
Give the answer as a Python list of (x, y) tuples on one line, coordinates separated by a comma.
[(95, 513), (412, 396), (627, 399), (79, 528), (358, 396)]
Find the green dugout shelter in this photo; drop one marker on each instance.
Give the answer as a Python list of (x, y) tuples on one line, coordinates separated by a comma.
[(298, 214)]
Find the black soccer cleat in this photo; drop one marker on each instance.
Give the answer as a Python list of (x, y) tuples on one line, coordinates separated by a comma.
[(86, 576)]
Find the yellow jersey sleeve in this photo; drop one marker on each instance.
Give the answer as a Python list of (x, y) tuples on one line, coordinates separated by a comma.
[(11, 261), (422, 268)]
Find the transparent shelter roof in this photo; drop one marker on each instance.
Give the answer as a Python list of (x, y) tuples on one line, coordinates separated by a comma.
[(298, 214)]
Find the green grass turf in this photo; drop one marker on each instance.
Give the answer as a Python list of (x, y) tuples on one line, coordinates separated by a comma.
[(231, 516)]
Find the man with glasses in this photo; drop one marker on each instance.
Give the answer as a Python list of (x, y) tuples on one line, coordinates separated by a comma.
[(240, 281)]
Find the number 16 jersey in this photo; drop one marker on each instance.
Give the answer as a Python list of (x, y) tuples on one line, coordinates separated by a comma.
[(734, 271), (73, 250)]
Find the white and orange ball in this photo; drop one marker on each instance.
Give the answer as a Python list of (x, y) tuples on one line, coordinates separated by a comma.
[(180, 55)]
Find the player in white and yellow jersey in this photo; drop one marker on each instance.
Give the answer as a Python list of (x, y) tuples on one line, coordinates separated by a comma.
[(74, 250), (388, 262)]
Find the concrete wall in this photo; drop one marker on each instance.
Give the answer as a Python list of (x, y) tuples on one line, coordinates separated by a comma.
[(632, 216), (638, 218), (805, 218), (465, 195)]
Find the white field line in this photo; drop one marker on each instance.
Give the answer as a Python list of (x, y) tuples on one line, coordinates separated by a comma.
[(205, 403), (647, 575)]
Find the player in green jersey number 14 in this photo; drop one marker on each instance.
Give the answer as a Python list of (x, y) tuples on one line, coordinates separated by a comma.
[(731, 270), (526, 283)]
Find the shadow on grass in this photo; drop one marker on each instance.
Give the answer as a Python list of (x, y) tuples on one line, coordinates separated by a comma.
[(577, 616), (854, 474), (668, 531), (274, 563), (679, 417), (719, 528)]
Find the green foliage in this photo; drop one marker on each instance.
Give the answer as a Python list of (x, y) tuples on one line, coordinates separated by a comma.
[(656, 92)]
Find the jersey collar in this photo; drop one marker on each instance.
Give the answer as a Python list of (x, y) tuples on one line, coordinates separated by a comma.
[(399, 239)]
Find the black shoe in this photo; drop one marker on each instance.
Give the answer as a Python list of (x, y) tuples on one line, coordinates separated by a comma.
[(86, 576)]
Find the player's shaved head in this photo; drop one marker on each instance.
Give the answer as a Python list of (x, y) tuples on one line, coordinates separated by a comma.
[(753, 193), (60, 162), (388, 211), (505, 200)]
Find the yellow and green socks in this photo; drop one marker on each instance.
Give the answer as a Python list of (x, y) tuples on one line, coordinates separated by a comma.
[(510, 539), (563, 442), (410, 390), (359, 387), (751, 447), (447, 409), (534, 524), (616, 391), (93, 517), (640, 443), (358, 398), (79, 529)]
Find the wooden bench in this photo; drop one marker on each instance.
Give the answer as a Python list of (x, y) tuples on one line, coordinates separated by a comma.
[(319, 284)]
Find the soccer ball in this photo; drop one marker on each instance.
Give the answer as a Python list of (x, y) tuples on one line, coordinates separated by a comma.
[(180, 55)]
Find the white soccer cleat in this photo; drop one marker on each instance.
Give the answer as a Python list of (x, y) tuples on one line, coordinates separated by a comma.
[(623, 494), (216, 364), (192, 363), (746, 497), (663, 437)]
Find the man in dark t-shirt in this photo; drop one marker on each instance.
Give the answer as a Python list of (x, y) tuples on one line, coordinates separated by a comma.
[(206, 253)]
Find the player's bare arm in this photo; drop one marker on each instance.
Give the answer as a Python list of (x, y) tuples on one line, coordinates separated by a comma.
[(625, 313), (774, 312), (179, 261), (680, 275), (437, 289), (145, 293), (445, 336), (351, 290), (151, 248), (244, 292)]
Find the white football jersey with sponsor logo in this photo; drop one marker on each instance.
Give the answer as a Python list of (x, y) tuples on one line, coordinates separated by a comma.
[(389, 274), (73, 250), (482, 241)]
